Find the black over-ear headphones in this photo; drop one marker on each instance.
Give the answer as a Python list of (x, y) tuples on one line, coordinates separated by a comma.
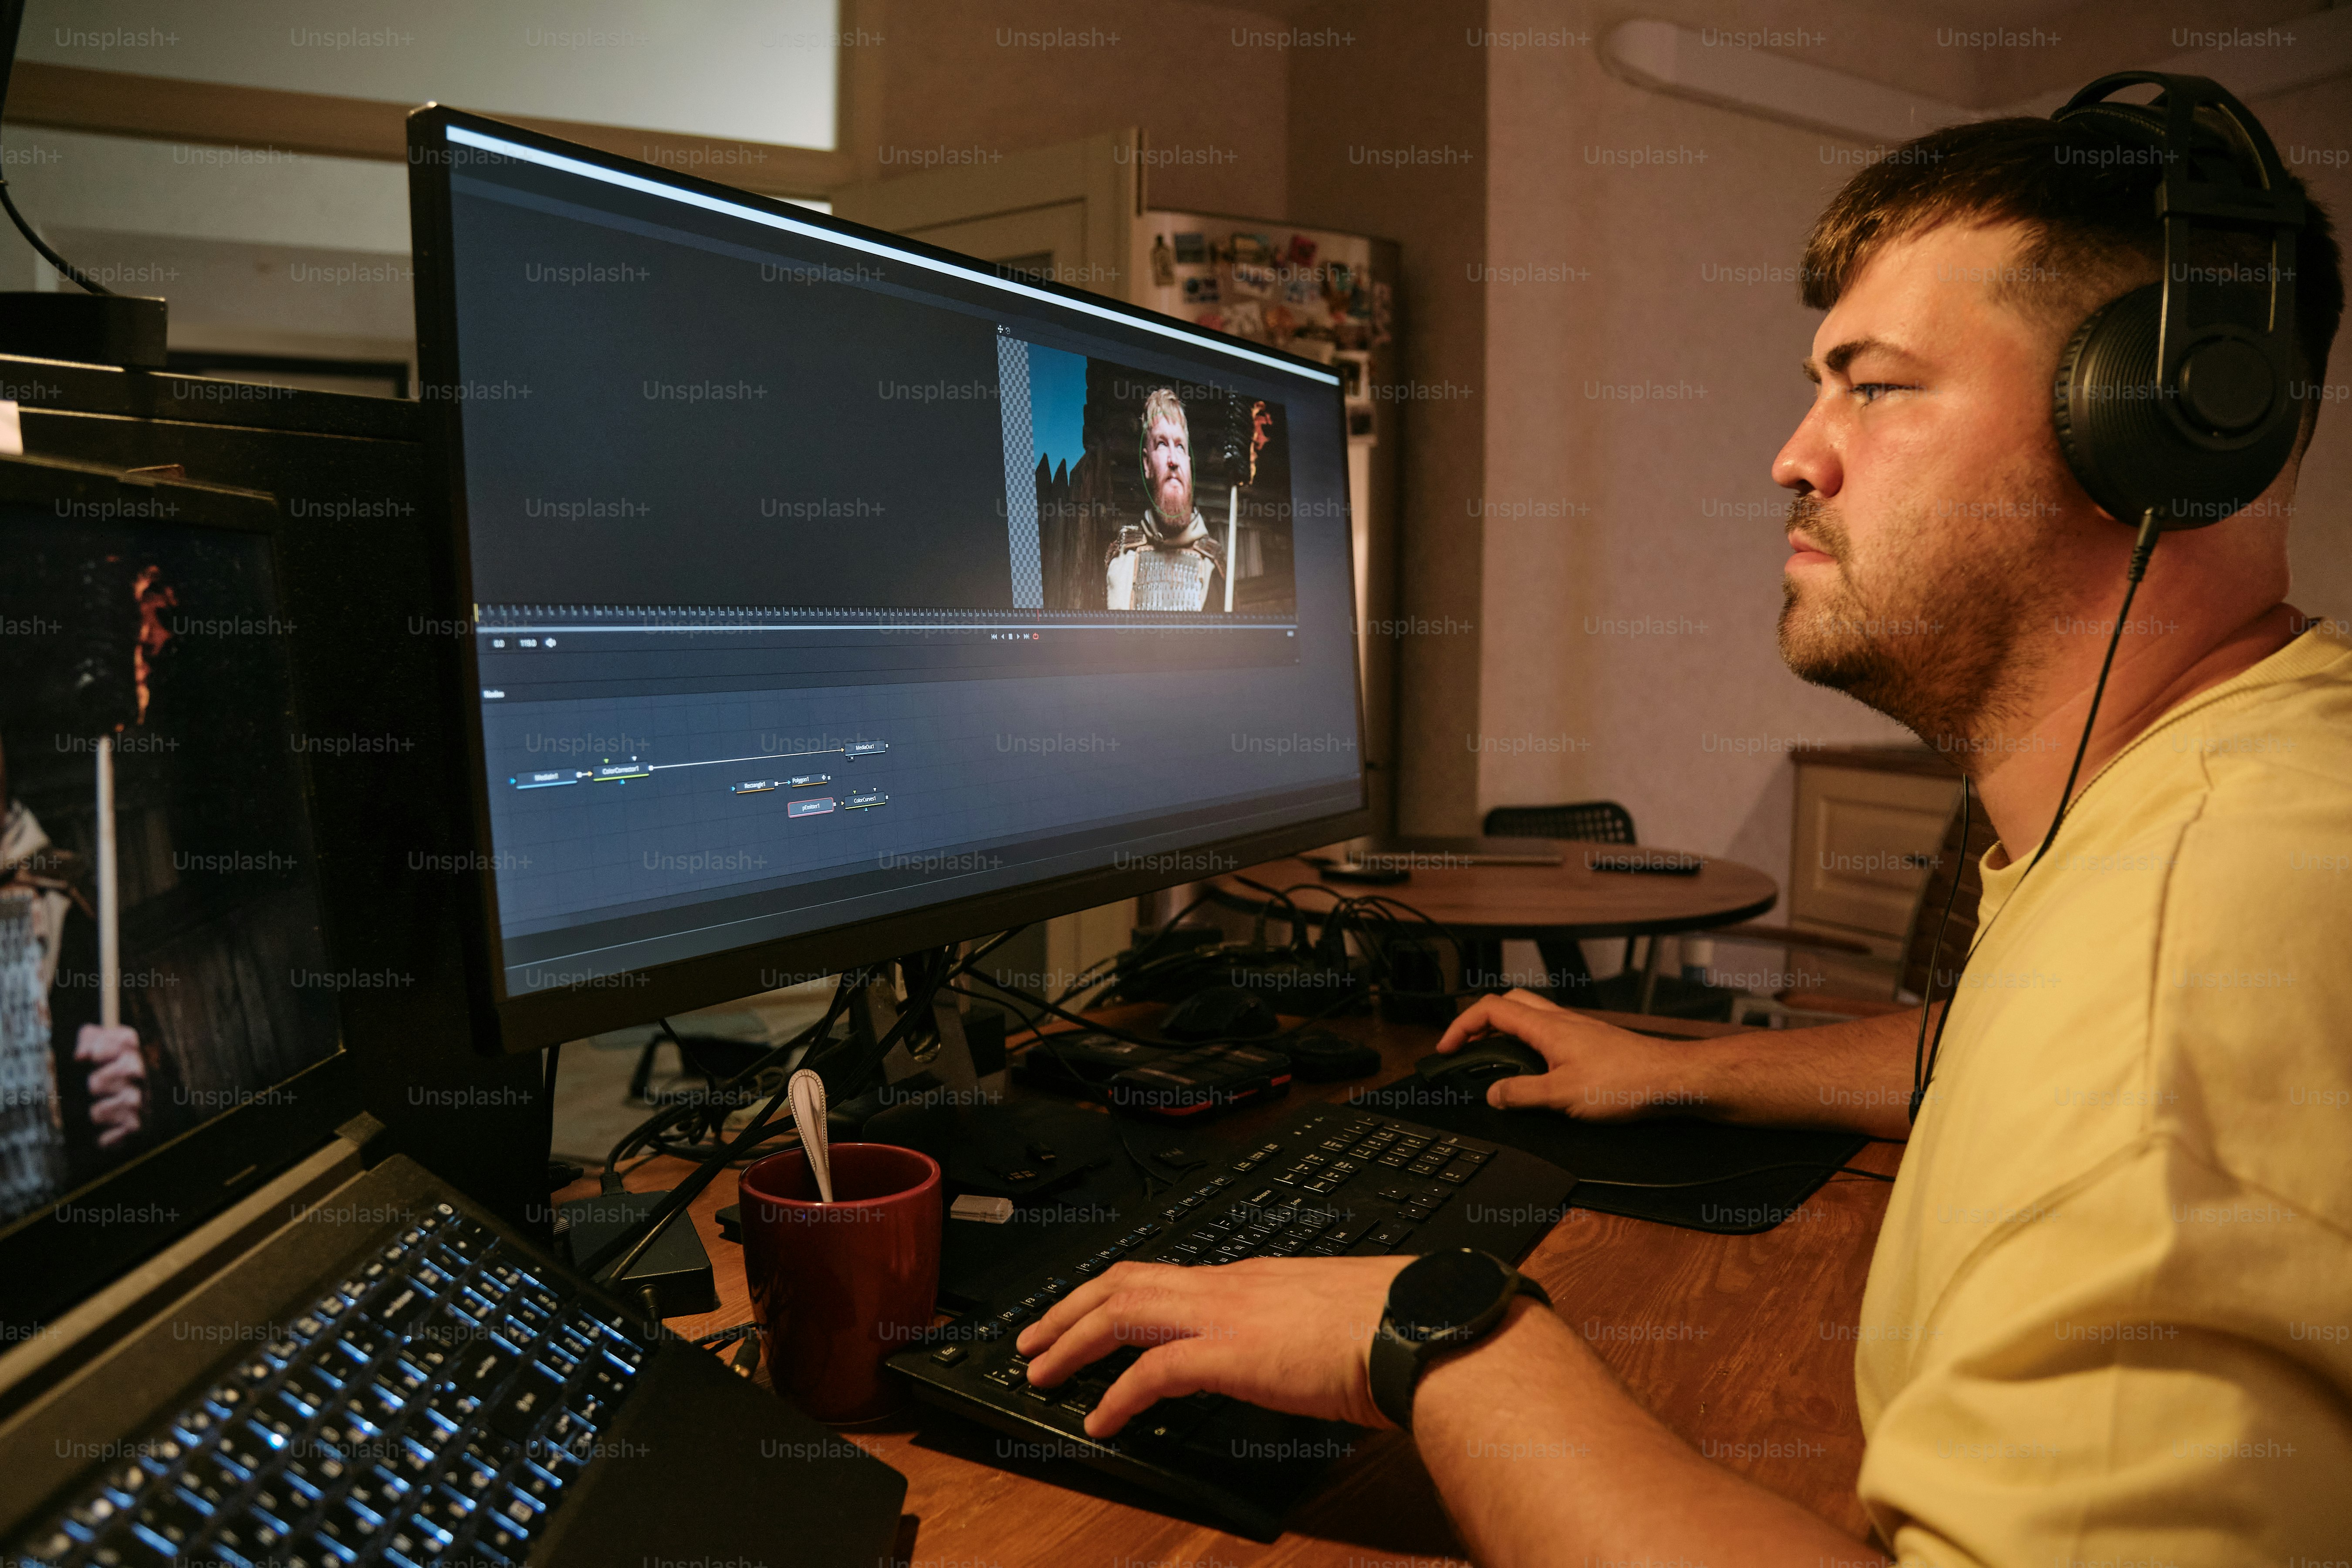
[(2177, 397)]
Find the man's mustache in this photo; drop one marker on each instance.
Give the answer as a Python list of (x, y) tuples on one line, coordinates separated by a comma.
[(1808, 516)]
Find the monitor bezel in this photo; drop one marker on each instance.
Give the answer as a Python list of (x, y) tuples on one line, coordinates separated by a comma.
[(533, 1020), (193, 1176)]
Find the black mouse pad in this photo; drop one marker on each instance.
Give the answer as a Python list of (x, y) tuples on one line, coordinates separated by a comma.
[(1737, 1197)]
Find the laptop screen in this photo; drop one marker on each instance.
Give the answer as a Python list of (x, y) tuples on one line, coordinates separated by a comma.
[(161, 957)]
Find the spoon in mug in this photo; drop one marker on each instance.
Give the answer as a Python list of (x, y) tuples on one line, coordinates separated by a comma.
[(807, 1093)]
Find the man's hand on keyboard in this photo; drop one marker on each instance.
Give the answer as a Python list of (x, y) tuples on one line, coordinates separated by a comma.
[(1599, 1072), (1289, 1333)]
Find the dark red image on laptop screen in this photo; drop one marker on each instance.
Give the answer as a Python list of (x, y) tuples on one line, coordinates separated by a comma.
[(161, 958)]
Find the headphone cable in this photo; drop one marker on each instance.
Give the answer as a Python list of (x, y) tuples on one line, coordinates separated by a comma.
[(1923, 1072)]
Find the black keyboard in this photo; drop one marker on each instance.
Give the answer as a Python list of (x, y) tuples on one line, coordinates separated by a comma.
[(1332, 1181), (432, 1407)]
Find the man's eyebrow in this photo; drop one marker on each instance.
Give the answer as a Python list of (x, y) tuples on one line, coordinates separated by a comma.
[(1845, 353)]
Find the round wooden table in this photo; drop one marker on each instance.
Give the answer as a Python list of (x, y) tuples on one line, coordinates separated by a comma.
[(1484, 905)]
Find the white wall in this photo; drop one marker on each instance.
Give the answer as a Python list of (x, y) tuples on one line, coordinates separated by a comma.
[(761, 71), (1652, 296)]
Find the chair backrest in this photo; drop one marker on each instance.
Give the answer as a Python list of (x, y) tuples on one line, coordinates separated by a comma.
[(1920, 948), (1593, 821)]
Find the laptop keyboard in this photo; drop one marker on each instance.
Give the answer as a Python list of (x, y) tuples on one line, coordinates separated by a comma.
[(430, 1408)]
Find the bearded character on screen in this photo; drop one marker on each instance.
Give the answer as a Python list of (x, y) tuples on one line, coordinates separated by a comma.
[(1170, 561)]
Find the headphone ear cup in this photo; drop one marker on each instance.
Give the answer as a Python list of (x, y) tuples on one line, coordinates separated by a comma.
[(2128, 449), (2098, 430)]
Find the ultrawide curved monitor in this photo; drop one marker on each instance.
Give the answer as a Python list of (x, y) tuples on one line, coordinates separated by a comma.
[(829, 595)]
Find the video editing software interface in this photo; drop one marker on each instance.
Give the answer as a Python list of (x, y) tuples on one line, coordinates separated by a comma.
[(816, 580)]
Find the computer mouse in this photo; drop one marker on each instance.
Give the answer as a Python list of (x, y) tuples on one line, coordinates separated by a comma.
[(1482, 1061), (1220, 1013)]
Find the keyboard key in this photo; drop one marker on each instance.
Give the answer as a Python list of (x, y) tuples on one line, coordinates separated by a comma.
[(479, 1369), (604, 1382), (413, 1460), (397, 1303), (537, 1484), (308, 1550), (380, 1403), (405, 1376), (50, 1545), (466, 1241), (468, 1476), (317, 1471), (251, 1535), (1456, 1175), (507, 1542), (527, 1404), (1389, 1235), (128, 1483), (245, 1448), (361, 1342), (451, 1408), (172, 1519), (93, 1514), (379, 1492), (443, 1512), (210, 1481), (353, 1528)]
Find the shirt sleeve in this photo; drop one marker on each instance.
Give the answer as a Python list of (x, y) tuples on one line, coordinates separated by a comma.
[(2148, 1367)]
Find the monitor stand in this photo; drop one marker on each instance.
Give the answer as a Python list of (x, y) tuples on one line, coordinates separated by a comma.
[(945, 1054)]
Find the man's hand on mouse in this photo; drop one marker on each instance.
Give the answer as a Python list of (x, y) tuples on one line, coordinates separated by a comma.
[(1291, 1334), (1599, 1072)]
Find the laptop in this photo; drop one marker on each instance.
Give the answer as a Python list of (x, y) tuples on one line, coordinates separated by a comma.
[(237, 1325)]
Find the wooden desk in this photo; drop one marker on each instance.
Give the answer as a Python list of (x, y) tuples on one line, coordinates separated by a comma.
[(1743, 1345)]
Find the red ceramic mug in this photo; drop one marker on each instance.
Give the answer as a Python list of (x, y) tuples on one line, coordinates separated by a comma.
[(838, 1287)]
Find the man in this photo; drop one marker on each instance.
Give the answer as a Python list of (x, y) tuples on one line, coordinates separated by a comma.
[(54, 1131), (2107, 1319), (1170, 561)]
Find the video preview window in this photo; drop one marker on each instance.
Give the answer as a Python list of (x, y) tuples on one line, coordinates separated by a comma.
[(1144, 492)]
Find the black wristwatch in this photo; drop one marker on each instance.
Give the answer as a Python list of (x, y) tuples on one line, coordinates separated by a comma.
[(1439, 1304)]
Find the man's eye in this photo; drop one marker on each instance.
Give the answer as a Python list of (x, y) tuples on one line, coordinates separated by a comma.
[(1870, 391)]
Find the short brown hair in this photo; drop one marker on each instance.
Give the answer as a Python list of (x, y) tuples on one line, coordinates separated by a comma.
[(2089, 210)]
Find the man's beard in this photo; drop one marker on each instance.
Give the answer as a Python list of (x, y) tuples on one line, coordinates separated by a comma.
[(1937, 638), (1179, 513)]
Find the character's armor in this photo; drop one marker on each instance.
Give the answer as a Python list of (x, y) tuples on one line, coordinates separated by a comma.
[(32, 902), (1148, 569)]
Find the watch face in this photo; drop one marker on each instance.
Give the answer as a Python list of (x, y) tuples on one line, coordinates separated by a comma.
[(1443, 1292)]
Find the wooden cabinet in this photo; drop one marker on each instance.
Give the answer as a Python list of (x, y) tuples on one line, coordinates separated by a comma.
[(1869, 820)]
